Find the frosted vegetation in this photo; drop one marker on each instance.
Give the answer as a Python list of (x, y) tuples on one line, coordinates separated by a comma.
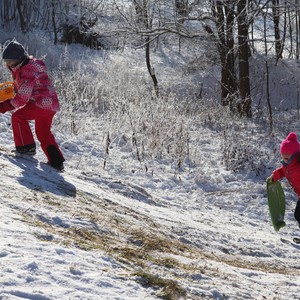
[(112, 86)]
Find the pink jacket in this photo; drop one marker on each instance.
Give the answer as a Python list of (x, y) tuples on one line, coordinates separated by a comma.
[(291, 172), (33, 84)]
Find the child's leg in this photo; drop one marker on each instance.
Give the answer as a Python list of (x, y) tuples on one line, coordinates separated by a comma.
[(43, 120), (47, 140), (21, 129), (297, 212)]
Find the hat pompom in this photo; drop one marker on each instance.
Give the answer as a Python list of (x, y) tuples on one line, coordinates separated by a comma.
[(290, 145)]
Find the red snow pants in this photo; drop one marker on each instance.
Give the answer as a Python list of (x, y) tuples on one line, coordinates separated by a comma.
[(42, 118)]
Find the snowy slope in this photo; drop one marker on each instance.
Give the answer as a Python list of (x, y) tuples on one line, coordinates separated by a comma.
[(123, 233), (98, 234)]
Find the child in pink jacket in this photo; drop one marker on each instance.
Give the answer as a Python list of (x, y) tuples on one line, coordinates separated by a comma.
[(290, 153), (35, 99)]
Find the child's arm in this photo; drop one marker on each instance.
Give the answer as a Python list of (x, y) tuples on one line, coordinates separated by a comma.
[(278, 174), (24, 92)]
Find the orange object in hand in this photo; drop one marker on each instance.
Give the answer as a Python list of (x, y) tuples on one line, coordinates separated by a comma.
[(7, 91)]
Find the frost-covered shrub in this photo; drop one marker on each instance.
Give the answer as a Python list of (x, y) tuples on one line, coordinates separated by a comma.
[(152, 127), (132, 117), (245, 151), (79, 91)]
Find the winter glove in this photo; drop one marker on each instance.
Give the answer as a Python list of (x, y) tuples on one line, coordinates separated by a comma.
[(7, 91), (6, 106), (270, 179)]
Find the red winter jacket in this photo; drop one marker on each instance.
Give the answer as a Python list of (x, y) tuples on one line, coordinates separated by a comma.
[(292, 173), (33, 84)]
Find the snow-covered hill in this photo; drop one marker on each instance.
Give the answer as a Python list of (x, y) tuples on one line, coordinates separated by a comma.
[(91, 233), (137, 231)]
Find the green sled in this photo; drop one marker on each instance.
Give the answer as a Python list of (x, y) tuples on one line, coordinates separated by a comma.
[(276, 202)]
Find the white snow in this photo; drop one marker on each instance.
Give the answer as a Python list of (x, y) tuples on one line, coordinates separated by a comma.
[(97, 233), (64, 235)]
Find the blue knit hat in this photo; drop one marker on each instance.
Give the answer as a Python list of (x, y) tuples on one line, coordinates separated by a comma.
[(14, 51)]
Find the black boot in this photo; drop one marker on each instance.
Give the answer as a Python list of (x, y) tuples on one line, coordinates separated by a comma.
[(28, 149), (56, 159)]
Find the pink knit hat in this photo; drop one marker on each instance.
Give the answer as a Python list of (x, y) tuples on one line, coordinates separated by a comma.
[(290, 145)]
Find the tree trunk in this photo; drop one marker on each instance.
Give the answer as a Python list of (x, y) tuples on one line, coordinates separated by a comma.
[(244, 82), (224, 14), (53, 13), (22, 20), (149, 67), (278, 42), (143, 18)]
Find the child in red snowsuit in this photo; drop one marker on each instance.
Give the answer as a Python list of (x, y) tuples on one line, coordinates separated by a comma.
[(35, 99), (290, 153)]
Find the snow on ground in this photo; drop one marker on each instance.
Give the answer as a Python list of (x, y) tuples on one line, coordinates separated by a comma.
[(94, 233), (122, 233)]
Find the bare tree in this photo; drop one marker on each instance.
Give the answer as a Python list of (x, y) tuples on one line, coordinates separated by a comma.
[(223, 12), (276, 15), (243, 50), (144, 18), (226, 22), (29, 15), (19, 4)]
